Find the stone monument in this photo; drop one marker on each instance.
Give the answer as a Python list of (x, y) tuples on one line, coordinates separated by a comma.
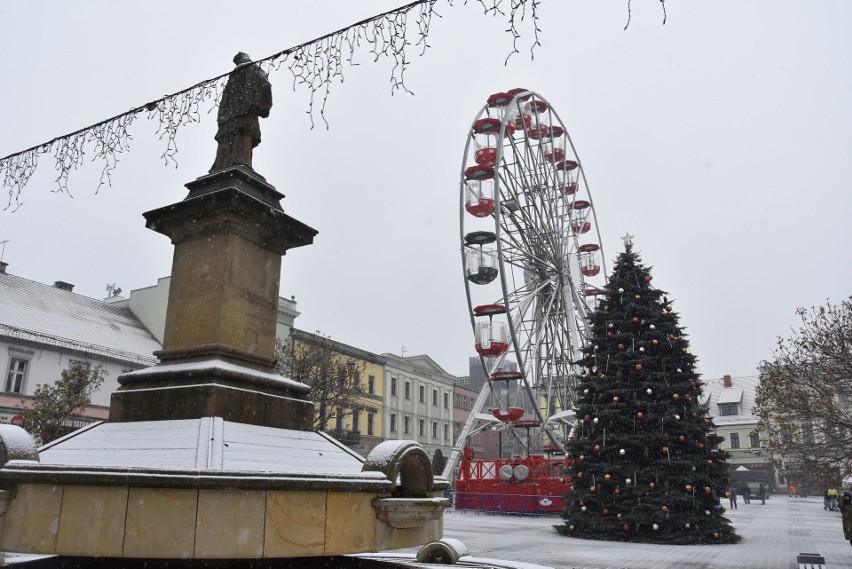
[(209, 454)]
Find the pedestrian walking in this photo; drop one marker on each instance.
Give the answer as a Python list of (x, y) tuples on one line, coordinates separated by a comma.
[(826, 500), (761, 493), (746, 493), (732, 495), (832, 500)]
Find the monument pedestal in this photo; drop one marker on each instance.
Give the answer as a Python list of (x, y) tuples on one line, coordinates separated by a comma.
[(218, 353)]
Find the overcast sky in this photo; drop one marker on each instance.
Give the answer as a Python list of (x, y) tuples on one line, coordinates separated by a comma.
[(721, 140)]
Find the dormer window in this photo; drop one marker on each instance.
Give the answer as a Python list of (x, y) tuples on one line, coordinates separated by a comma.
[(726, 409)]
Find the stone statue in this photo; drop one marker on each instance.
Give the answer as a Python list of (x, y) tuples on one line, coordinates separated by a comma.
[(247, 96)]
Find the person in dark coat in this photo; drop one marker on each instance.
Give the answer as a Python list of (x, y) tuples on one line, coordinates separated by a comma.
[(761, 493), (745, 491)]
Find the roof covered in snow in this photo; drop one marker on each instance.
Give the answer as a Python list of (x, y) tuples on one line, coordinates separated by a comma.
[(47, 315)]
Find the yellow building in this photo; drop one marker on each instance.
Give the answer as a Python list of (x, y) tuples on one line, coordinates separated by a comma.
[(347, 385)]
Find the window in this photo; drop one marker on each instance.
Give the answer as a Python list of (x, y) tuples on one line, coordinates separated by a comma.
[(408, 390), (446, 432), (393, 386), (435, 397), (421, 428), (727, 409), (339, 419), (356, 421), (422, 394), (371, 418), (735, 440), (446, 400), (406, 422), (16, 375), (371, 384), (393, 422), (341, 375), (458, 400), (754, 440), (434, 429)]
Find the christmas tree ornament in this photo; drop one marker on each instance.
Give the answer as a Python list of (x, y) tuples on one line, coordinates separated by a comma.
[(615, 267), (652, 485), (638, 367), (621, 347), (655, 527), (622, 452), (583, 509), (640, 415), (649, 391), (621, 291), (675, 396), (648, 278), (637, 297), (606, 477), (665, 509), (595, 420), (707, 490), (641, 349), (706, 512), (628, 481), (652, 327), (635, 320), (605, 511), (686, 525), (655, 341), (615, 399), (677, 417), (669, 308), (617, 491), (688, 487)]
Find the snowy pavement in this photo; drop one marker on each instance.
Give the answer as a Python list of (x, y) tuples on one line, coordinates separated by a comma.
[(773, 534)]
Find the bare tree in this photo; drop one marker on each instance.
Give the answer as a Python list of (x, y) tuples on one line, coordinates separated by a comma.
[(334, 378), (48, 415), (804, 399)]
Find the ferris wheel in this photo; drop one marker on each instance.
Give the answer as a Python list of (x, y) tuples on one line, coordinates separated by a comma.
[(533, 265)]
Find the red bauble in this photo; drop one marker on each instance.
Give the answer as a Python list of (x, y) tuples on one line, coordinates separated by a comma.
[(605, 511), (708, 490), (597, 448), (635, 320), (640, 415), (638, 367), (689, 488), (665, 509), (681, 439), (648, 278), (607, 476), (637, 297), (621, 347), (675, 396)]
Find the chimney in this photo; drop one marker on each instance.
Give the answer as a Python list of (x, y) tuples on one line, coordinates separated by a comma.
[(62, 285), (3, 267), (727, 380)]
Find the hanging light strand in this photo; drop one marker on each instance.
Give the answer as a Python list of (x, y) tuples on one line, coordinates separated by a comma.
[(314, 65)]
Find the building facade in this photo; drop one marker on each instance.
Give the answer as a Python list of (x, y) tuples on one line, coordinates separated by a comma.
[(729, 402), (359, 421), (44, 328), (418, 400)]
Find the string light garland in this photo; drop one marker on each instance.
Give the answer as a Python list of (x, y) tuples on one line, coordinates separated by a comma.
[(314, 64)]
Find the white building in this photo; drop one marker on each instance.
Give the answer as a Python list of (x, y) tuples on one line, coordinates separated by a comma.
[(43, 328), (418, 401), (730, 402)]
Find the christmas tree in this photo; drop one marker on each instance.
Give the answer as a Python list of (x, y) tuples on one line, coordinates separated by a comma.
[(646, 463)]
